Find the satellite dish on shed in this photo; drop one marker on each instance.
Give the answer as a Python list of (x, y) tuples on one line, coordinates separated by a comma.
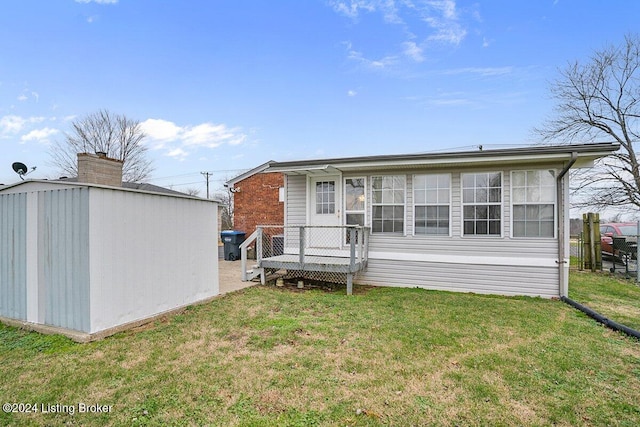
[(21, 169)]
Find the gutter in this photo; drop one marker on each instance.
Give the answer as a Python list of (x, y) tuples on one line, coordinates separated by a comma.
[(563, 280)]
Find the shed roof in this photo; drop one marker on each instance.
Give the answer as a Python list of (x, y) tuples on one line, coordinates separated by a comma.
[(126, 186), (137, 186), (587, 153)]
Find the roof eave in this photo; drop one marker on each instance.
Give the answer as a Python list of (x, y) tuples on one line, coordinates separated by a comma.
[(586, 153), (249, 173)]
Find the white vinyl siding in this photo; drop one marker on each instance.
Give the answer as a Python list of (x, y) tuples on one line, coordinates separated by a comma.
[(496, 265), (480, 279), (533, 195), (295, 206)]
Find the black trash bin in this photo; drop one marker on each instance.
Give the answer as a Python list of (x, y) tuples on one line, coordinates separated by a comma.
[(232, 240)]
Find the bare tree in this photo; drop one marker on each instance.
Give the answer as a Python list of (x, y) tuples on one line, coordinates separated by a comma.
[(598, 102), (225, 198), (115, 134), (192, 191)]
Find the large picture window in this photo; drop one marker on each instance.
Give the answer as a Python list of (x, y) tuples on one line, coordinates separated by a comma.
[(533, 199), (482, 204), (431, 195), (388, 199)]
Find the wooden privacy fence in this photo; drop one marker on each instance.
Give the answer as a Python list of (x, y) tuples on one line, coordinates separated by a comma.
[(591, 245)]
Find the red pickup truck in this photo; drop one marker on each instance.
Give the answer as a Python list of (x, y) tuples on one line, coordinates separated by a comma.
[(628, 230)]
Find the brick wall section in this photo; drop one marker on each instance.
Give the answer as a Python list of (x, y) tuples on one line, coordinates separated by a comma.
[(257, 202), (99, 169)]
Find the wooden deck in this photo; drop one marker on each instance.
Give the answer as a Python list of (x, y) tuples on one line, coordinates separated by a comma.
[(313, 263), (305, 257)]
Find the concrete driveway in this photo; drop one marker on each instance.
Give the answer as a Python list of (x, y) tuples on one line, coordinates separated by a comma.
[(229, 273)]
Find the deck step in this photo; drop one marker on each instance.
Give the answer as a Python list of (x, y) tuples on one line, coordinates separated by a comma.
[(253, 273)]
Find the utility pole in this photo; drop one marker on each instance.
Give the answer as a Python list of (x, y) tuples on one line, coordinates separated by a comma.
[(207, 175)]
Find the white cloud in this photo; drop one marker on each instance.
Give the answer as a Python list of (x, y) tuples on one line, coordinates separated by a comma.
[(375, 64), (413, 51), (212, 136), (420, 22), (352, 93), (447, 7), (181, 140), (161, 130), (483, 72), (352, 8), (12, 124), (24, 96), (39, 135), (178, 153), (447, 31)]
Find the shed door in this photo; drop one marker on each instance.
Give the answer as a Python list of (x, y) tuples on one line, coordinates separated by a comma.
[(325, 210)]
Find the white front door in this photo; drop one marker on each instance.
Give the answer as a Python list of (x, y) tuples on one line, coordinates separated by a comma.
[(325, 209)]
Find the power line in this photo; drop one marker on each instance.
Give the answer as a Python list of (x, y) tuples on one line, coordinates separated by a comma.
[(195, 173)]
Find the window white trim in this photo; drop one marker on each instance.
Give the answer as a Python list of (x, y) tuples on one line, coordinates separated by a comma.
[(449, 205), (463, 204), (344, 201), (404, 205), (513, 203)]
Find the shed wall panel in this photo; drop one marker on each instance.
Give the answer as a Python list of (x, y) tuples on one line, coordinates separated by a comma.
[(149, 254), (63, 245), (13, 256)]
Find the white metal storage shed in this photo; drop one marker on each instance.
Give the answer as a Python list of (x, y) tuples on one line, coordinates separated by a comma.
[(88, 260)]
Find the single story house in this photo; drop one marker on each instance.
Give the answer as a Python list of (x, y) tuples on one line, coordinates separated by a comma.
[(483, 221), (90, 258)]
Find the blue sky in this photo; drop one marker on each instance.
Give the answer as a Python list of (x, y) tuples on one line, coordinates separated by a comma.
[(225, 85)]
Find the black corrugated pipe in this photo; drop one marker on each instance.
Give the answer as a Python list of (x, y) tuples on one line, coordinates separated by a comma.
[(600, 318)]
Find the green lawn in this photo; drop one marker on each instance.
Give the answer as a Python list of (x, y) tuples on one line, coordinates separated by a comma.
[(613, 297), (270, 356)]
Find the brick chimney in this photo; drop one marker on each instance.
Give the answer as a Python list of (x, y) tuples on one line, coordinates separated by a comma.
[(99, 169)]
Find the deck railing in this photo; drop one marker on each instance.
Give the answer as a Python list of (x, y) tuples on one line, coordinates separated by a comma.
[(269, 241)]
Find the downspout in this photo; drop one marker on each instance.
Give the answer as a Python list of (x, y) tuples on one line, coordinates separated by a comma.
[(560, 207)]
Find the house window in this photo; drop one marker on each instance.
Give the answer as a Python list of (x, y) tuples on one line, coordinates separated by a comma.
[(388, 204), (431, 196), (354, 202), (482, 203), (325, 197), (533, 195)]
